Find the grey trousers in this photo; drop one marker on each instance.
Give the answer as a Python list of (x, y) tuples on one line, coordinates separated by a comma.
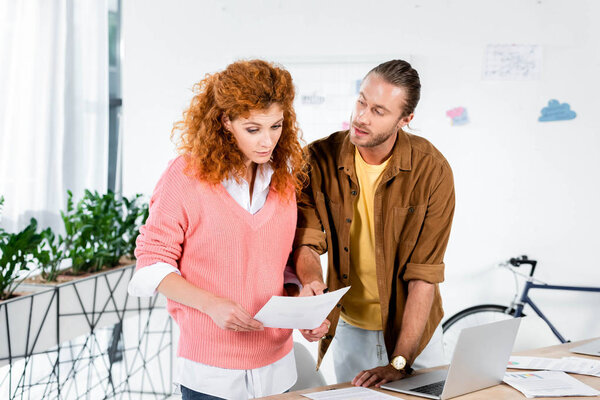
[(355, 349)]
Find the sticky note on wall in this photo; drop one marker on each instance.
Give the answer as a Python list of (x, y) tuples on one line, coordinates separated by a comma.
[(458, 116)]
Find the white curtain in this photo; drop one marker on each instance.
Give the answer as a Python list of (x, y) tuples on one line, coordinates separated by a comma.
[(53, 105)]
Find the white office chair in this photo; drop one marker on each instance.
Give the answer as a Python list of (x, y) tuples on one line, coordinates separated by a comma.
[(308, 376)]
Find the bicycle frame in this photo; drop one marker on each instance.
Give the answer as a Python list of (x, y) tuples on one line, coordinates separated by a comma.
[(525, 299)]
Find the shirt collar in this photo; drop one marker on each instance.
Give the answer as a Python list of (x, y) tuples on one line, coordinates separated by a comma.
[(401, 158), (264, 173)]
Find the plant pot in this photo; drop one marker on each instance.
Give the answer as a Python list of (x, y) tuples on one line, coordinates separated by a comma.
[(28, 323), (92, 302)]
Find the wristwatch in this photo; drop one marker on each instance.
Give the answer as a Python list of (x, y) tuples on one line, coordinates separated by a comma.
[(399, 362)]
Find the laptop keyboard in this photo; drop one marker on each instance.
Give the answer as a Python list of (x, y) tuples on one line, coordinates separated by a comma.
[(435, 388)]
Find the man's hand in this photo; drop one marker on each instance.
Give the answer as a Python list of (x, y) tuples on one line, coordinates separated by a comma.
[(378, 376), (313, 288), (312, 335)]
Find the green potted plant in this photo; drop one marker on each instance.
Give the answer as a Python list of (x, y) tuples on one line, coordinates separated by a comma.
[(17, 251), (26, 313), (100, 230), (100, 234), (90, 292), (33, 325)]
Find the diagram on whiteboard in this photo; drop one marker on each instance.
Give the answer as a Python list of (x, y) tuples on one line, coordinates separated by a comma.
[(512, 62)]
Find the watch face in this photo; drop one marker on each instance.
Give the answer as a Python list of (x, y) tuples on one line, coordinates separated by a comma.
[(399, 362)]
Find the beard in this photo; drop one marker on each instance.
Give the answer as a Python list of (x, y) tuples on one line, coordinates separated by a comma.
[(374, 139)]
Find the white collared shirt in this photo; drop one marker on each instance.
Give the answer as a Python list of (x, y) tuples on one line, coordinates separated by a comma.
[(227, 383)]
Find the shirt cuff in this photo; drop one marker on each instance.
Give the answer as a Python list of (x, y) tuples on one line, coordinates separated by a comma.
[(145, 280), (432, 273), (289, 276)]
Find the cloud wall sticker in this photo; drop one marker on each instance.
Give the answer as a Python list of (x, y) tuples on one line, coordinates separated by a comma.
[(555, 111)]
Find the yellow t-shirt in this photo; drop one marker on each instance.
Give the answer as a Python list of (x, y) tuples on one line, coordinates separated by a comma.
[(361, 303)]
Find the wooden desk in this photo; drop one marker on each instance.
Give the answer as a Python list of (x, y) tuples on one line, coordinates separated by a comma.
[(502, 391)]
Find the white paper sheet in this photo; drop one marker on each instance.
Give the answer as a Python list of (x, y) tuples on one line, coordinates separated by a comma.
[(548, 384), (298, 312), (576, 365), (353, 393)]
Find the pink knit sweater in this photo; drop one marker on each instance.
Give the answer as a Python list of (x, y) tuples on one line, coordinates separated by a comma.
[(220, 247)]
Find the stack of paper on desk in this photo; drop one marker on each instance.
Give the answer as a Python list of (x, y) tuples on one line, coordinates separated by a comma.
[(353, 393), (548, 384), (576, 365)]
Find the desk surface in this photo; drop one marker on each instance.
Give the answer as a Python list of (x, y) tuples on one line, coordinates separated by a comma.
[(502, 391)]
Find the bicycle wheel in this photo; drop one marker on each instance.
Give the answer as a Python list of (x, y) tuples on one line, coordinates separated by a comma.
[(472, 316)]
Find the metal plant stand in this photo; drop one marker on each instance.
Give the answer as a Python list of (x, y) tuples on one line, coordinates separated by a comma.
[(86, 339)]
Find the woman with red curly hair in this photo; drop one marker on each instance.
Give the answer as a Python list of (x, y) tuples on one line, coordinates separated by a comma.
[(220, 231)]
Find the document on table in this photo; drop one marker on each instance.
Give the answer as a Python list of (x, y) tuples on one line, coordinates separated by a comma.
[(548, 384), (298, 312), (576, 365), (353, 393)]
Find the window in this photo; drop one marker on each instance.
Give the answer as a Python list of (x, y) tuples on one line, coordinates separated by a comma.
[(115, 100)]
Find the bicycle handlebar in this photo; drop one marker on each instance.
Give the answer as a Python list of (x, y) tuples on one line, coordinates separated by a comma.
[(516, 262)]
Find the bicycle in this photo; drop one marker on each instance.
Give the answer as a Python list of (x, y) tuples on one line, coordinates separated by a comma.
[(485, 313)]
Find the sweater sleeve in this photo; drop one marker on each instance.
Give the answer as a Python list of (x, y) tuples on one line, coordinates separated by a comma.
[(162, 236)]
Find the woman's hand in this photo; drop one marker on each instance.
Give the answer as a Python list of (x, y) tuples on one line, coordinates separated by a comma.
[(227, 314), (231, 316)]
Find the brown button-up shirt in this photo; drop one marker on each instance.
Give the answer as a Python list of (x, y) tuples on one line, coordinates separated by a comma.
[(413, 209)]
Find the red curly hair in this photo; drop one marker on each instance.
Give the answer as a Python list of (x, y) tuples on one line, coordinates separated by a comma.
[(244, 86)]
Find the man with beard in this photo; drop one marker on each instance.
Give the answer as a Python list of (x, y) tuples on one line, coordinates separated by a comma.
[(380, 201)]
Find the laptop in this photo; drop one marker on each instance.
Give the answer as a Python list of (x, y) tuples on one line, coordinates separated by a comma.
[(591, 349), (479, 361)]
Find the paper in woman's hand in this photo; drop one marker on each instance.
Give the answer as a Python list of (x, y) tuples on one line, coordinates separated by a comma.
[(298, 312)]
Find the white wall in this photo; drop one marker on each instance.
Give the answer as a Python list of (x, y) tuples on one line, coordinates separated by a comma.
[(522, 187)]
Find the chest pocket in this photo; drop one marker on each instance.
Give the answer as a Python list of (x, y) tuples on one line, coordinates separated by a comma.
[(407, 223), (331, 211)]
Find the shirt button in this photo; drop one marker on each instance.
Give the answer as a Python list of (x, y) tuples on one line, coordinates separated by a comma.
[(328, 337), (348, 220), (353, 193), (411, 210), (345, 276), (346, 249), (338, 305)]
